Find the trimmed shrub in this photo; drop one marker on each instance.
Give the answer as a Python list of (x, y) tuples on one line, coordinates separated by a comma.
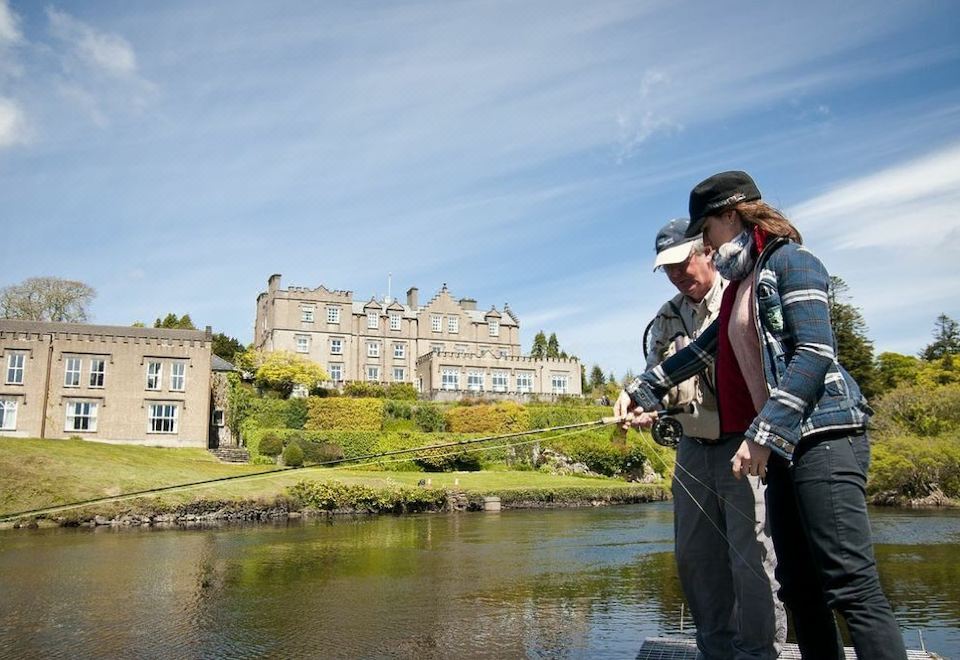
[(296, 413), (545, 417), (401, 391), (334, 496), (503, 417), (344, 414), (363, 390), (293, 455), (270, 444), (320, 452), (430, 418)]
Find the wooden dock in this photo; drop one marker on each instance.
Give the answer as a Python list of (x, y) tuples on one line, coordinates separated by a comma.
[(685, 648)]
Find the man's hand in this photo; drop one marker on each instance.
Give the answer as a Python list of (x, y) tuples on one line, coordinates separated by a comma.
[(750, 459), (645, 420), (623, 408)]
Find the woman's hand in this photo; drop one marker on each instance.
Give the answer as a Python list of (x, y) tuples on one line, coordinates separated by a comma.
[(623, 408), (750, 459)]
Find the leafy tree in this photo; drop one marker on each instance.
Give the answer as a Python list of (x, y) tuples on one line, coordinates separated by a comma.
[(138, 324), (177, 322), (584, 384), (597, 379), (894, 369), (225, 346), (47, 299), (854, 349), (946, 339), (282, 370), (539, 349), (553, 346)]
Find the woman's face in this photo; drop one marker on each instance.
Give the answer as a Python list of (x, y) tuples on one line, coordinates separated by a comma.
[(719, 229)]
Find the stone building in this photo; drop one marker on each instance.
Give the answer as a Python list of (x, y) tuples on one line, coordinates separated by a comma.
[(387, 341), (147, 386)]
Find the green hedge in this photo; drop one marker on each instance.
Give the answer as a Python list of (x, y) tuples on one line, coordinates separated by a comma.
[(333, 496), (344, 414), (915, 466), (503, 417), (543, 417)]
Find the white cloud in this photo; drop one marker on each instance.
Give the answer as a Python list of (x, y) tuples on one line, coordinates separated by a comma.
[(13, 124), (109, 53), (905, 206), (9, 25)]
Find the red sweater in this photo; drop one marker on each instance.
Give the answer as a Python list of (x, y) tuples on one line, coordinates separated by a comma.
[(733, 398)]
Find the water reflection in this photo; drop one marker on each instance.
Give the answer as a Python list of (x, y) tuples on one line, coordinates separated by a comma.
[(570, 583)]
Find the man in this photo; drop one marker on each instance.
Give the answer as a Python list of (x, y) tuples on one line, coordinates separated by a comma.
[(725, 557)]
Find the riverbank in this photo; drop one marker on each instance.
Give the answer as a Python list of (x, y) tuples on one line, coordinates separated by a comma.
[(42, 475)]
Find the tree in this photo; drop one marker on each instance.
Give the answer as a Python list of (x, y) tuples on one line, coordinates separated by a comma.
[(553, 346), (597, 379), (946, 339), (854, 349), (47, 299), (894, 369), (539, 349), (281, 371), (173, 321), (225, 346)]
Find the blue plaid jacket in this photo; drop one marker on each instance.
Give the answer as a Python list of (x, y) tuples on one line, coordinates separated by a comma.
[(810, 393)]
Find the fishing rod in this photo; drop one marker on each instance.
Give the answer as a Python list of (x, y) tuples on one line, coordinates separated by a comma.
[(604, 421)]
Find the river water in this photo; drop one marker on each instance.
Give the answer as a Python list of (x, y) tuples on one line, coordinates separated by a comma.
[(576, 583)]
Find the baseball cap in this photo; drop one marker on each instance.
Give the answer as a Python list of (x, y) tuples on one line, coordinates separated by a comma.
[(671, 244)]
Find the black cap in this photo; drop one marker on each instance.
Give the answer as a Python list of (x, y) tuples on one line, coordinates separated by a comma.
[(717, 192), (672, 245)]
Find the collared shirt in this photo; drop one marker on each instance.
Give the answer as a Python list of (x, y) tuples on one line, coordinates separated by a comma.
[(688, 318)]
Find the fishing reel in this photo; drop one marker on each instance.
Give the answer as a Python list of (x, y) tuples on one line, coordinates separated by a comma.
[(668, 430)]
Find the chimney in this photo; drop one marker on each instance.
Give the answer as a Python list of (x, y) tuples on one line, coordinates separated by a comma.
[(273, 283), (468, 303), (412, 297)]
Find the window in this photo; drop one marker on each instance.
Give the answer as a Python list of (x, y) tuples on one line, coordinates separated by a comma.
[(333, 315), (398, 374), (163, 417), (98, 369), (15, 368), (178, 376), (559, 383), (394, 321), (373, 320), (449, 379), (436, 348), (400, 351), (373, 349), (524, 381), (453, 324), (336, 372), (499, 381), (494, 326), (475, 381), (154, 372), (373, 374), (82, 416), (436, 322), (336, 347), (8, 415), (303, 343), (306, 314), (217, 418), (71, 375)]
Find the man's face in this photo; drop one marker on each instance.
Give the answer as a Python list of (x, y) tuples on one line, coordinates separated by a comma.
[(693, 277)]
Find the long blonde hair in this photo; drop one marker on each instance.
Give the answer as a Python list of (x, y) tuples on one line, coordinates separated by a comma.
[(769, 219)]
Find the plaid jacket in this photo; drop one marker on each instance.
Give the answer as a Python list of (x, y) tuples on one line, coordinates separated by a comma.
[(810, 392)]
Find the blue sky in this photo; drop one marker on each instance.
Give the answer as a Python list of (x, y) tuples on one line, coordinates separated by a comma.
[(173, 155)]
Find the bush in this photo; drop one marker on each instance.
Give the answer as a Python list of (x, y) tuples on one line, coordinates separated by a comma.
[(545, 417), (295, 415), (270, 444), (344, 414), (363, 390), (914, 466), (333, 496), (401, 391), (430, 418), (503, 417), (397, 409), (293, 455), (320, 452), (918, 410)]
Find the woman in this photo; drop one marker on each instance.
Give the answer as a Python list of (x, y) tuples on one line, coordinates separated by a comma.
[(800, 414)]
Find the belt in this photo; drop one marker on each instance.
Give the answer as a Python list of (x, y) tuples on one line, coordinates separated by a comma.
[(710, 442)]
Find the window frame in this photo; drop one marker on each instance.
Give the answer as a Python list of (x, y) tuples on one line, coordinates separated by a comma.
[(91, 412), (77, 374), (472, 384), (182, 364), (6, 405), (19, 369), (436, 323), (338, 341), (403, 374), (454, 379), (524, 381), (307, 313), (301, 343), (153, 419), (564, 379), (493, 327), (338, 366), (496, 375), (373, 349), (333, 315), (453, 324), (373, 321), (396, 321), (101, 372), (399, 351), (374, 370), (158, 375)]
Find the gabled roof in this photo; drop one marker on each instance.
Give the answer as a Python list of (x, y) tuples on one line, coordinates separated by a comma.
[(217, 363)]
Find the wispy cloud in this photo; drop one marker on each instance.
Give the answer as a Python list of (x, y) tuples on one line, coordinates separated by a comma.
[(13, 124), (904, 206), (9, 25)]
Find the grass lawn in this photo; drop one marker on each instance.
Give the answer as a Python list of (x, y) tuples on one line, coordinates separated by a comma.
[(43, 473)]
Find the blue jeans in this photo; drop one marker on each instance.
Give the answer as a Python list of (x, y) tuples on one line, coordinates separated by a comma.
[(818, 519)]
